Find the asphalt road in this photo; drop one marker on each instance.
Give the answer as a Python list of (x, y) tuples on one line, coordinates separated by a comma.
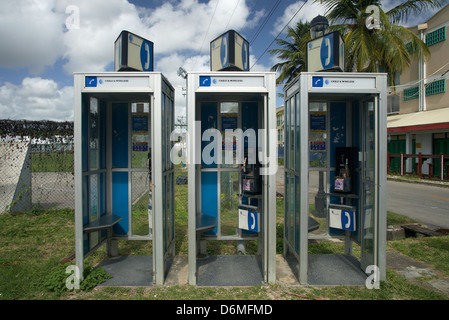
[(426, 204)]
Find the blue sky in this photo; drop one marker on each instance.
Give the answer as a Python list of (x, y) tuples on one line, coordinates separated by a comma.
[(40, 50)]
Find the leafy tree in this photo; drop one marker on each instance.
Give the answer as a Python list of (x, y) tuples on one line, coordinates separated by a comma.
[(389, 48)]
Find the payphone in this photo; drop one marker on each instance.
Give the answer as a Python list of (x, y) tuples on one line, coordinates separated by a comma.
[(232, 139), (124, 179), (335, 128)]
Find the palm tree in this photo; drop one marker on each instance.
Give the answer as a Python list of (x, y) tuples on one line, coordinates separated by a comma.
[(293, 54), (386, 49)]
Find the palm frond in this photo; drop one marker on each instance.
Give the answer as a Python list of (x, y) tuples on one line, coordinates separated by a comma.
[(401, 12)]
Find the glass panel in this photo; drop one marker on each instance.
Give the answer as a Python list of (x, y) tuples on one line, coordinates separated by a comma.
[(229, 115), (368, 200), (297, 212), (94, 134), (140, 190), (298, 133), (317, 135), (140, 134), (292, 211), (229, 203), (286, 135), (93, 206), (292, 134), (286, 207)]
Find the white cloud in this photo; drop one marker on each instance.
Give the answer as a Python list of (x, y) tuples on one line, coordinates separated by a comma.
[(36, 99), (41, 36), (31, 34), (307, 12)]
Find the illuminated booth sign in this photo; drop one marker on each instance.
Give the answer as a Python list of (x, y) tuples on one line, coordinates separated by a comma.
[(229, 52), (326, 53), (132, 53)]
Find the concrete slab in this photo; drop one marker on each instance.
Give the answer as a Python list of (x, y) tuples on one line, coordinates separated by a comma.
[(232, 270), (331, 270), (129, 271)]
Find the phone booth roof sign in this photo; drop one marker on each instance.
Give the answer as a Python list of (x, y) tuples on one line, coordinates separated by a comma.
[(326, 53), (133, 53), (229, 52)]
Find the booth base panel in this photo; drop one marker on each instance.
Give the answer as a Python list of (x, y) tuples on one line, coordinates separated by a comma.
[(331, 269), (232, 270), (129, 271)]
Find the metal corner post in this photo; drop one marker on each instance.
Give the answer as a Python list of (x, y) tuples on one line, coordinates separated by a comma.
[(158, 230), (191, 151), (304, 165), (79, 245)]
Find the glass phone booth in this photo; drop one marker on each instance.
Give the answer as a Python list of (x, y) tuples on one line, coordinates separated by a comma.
[(335, 172), (232, 176), (124, 179)]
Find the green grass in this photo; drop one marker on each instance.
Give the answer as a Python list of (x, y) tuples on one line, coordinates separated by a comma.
[(52, 161), (32, 244)]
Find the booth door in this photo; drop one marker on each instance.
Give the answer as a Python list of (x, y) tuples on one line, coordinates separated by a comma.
[(368, 158)]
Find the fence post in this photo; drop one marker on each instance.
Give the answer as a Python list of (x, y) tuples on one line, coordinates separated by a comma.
[(420, 165), (402, 164), (388, 162), (442, 166)]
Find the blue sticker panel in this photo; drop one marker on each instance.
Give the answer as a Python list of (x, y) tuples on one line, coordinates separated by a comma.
[(245, 56), (326, 53), (224, 51), (120, 135), (146, 55), (253, 221), (348, 220), (209, 200), (120, 199)]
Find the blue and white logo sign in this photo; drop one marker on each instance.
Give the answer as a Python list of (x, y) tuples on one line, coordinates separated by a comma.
[(91, 81), (205, 81), (146, 55), (326, 52), (348, 220), (342, 219), (249, 220), (224, 50), (317, 82), (245, 56)]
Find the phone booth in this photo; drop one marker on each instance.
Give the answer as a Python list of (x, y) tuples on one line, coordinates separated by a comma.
[(124, 179), (232, 150), (335, 169)]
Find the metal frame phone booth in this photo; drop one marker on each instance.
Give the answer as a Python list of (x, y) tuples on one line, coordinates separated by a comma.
[(335, 134), (124, 179), (225, 203)]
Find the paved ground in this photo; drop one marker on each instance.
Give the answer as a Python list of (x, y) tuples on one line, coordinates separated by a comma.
[(409, 268)]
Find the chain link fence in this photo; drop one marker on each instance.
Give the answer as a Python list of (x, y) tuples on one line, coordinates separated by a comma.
[(36, 176), (52, 176)]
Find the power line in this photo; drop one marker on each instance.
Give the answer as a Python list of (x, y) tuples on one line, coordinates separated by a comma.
[(265, 21), (208, 28), (226, 28), (279, 34)]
